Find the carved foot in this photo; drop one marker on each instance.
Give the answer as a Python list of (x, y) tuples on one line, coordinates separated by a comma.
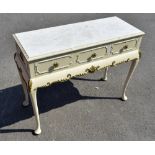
[(124, 97), (104, 79), (131, 70), (37, 131), (25, 103)]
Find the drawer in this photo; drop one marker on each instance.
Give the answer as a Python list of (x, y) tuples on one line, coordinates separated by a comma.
[(50, 65), (123, 46), (92, 54)]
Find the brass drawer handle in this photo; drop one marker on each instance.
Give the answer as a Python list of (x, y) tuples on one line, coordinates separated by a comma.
[(125, 47), (93, 55), (55, 65)]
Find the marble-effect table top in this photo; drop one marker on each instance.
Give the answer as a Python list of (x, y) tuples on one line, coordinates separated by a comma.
[(60, 39)]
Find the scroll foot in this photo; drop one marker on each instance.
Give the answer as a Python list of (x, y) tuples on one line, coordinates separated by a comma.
[(37, 132), (124, 98), (131, 70), (104, 79)]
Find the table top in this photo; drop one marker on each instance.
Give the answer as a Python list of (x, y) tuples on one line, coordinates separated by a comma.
[(66, 38)]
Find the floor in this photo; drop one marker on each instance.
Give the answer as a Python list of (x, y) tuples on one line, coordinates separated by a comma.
[(83, 108)]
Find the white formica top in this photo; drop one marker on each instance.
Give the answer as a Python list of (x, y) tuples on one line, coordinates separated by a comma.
[(61, 39)]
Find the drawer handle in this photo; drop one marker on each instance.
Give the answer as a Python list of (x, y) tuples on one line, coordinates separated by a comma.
[(125, 47), (93, 55), (55, 65)]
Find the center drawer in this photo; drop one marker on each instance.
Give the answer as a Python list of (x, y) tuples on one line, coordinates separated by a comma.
[(92, 54), (50, 65)]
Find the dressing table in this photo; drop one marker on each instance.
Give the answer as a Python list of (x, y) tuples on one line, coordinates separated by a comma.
[(57, 54)]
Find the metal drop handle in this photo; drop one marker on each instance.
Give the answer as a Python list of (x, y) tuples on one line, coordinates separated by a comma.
[(55, 65)]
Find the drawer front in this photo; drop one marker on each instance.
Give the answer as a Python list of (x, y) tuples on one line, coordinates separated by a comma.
[(50, 65), (124, 46), (92, 54)]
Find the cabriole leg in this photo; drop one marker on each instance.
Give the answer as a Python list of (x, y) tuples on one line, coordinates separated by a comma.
[(33, 96), (105, 74), (131, 70)]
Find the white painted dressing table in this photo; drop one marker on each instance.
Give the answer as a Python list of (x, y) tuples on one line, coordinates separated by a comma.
[(59, 53)]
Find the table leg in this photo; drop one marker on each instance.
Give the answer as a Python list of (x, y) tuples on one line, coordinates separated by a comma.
[(104, 78), (131, 70), (33, 96), (26, 101)]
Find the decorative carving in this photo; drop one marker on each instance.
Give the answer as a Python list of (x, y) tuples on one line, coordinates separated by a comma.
[(113, 63), (127, 60), (92, 69), (69, 76)]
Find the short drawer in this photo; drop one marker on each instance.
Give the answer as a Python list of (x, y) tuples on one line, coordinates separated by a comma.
[(91, 54), (50, 65), (123, 46)]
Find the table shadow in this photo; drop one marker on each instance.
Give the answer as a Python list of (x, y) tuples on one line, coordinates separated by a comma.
[(55, 96), (83, 79)]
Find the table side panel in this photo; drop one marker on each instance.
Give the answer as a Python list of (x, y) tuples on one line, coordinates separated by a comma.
[(23, 60)]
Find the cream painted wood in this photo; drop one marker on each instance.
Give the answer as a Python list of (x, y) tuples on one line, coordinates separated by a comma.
[(92, 54), (63, 75), (26, 95), (105, 77), (33, 95), (57, 54), (46, 66), (50, 65), (131, 70), (69, 60), (124, 46)]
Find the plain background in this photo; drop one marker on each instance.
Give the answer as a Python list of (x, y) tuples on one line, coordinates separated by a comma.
[(76, 110)]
